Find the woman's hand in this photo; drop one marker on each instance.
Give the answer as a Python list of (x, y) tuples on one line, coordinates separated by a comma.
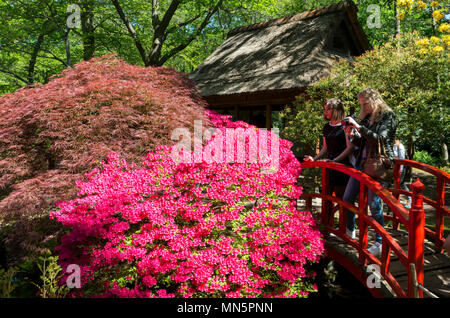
[(352, 123), (350, 131), (308, 158)]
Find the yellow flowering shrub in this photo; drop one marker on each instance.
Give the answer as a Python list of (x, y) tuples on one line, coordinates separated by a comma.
[(421, 4), (438, 49), (434, 44), (435, 40), (444, 28), (446, 39), (437, 15), (423, 42)]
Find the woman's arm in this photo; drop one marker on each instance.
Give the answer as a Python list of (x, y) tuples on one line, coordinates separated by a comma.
[(320, 154), (387, 127), (353, 135), (323, 151)]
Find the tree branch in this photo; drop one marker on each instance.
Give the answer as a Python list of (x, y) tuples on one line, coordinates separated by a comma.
[(155, 13), (183, 24), (54, 57), (162, 26), (16, 49), (14, 75), (131, 31), (193, 36)]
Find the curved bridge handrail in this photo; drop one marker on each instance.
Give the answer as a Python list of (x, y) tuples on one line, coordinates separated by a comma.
[(425, 167), (430, 202), (441, 211), (397, 249), (385, 195)]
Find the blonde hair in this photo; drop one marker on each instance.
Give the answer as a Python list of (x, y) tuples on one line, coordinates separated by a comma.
[(376, 102), (336, 107)]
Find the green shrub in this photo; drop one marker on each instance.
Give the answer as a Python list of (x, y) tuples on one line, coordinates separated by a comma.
[(7, 283), (50, 278), (425, 157)]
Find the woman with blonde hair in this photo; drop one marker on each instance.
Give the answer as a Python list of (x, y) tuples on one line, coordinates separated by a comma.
[(377, 124)]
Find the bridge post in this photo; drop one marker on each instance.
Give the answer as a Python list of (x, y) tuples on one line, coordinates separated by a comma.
[(440, 198), (326, 205), (363, 227), (397, 183), (416, 240)]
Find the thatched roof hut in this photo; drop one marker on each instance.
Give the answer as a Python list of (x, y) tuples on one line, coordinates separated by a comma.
[(262, 67)]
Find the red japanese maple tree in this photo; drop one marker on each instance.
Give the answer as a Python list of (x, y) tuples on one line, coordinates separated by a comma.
[(51, 134)]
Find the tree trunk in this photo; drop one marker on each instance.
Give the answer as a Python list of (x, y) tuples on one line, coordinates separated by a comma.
[(444, 154), (32, 63), (88, 28), (397, 31), (411, 147), (160, 26), (67, 43)]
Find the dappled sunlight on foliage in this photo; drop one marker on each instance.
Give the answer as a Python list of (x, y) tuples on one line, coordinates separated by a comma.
[(220, 229)]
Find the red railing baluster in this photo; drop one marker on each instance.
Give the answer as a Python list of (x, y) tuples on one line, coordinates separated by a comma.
[(326, 205), (362, 207), (385, 257), (442, 179), (308, 203), (416, 239), (397, 183), (342, 220), (413, 222), (440, 199)]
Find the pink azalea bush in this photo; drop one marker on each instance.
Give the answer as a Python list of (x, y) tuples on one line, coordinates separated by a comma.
[(176, 229)]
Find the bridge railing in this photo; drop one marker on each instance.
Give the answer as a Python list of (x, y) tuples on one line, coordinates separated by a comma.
[(413, 221), (438, 204)]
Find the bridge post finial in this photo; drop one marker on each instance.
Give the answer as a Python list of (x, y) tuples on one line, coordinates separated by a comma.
[(417, 186), (416, 240)]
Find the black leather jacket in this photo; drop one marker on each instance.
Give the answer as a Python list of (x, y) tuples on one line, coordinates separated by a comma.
[(370, 134)]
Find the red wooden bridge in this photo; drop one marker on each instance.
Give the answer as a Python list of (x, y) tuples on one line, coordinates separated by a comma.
[(412, 262)]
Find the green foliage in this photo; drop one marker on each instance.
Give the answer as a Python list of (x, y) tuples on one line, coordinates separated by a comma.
[(51, 278), (446, 168), (27, 21), (425, 157), (7, 282)]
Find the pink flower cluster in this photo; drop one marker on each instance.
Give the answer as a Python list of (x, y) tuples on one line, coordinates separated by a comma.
[(190, 230)]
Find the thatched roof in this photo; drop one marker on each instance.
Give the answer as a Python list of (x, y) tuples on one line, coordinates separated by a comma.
[(281, 54)]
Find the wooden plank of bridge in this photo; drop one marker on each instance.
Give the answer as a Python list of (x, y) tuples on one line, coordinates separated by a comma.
[(436, 266)]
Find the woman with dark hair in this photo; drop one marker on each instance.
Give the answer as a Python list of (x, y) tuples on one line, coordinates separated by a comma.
[(377, 124), (400, 152), (335, 144)]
